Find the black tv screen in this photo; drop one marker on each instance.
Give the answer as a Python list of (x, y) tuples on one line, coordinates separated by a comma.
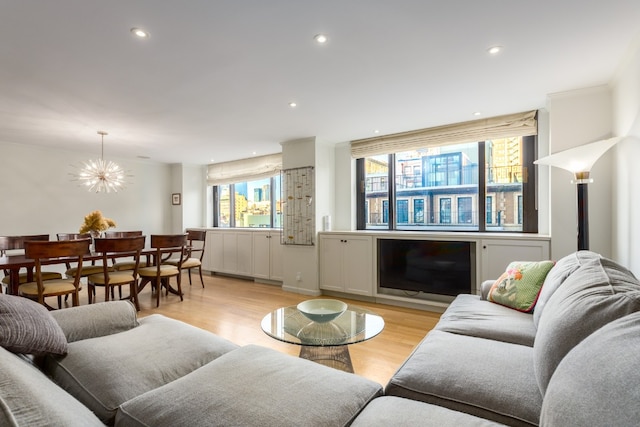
[(429, 266)]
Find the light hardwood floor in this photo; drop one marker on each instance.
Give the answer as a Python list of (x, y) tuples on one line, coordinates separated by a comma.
[(233, 308)]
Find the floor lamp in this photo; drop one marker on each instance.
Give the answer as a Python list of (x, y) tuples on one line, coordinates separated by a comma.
[(579, 161)]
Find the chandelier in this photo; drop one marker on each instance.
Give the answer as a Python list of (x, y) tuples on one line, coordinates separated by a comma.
[(100, 175)]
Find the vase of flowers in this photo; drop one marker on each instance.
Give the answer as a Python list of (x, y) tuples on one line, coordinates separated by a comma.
[(95, 224)]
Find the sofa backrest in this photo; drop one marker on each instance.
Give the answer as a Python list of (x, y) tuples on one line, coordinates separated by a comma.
[(597, 382), (597, 293), (556, 277)]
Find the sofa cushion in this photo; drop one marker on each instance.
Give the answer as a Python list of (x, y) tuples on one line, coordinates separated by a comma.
[(254, 386), (29, 398), (556, 277), (518, 287), (27, 327), (395, 411), (597, 293), (485, 378), (597, 382), (106, 371), (469, 315), (96, 320)]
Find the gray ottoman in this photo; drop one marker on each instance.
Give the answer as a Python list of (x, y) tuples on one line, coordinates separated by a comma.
[(254, 386)]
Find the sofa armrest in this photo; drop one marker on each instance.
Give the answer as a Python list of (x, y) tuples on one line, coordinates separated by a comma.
[(485, 287), (96, 320)]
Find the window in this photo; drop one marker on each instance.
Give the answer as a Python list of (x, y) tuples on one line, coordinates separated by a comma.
[(445, 210), (247, 192), (447, 189), (489, 207), (418, 211), (249, 204), (403, 211), (465, 210), (376, 171)]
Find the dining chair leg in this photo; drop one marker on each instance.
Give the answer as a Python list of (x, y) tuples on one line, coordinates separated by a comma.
[(189, 273), (133, 292), (201, 279), (179, 287)]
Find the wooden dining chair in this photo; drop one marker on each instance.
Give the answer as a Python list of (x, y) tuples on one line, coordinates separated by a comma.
[(195, 251), (87, 270), (11, 243), (159, 274), (109, 278), (41, 289), (126, 264)]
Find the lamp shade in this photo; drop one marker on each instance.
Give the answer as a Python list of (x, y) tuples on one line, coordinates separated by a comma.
[(581, 158)]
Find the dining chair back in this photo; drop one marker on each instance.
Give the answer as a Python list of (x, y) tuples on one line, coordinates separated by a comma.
[(87, 269), (16, 243), (112, 234), (111, 248), (159, 273), (39, 250), (128, 264), (196, 241)]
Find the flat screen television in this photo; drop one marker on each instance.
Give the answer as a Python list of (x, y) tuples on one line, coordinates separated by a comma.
[(430, 266)]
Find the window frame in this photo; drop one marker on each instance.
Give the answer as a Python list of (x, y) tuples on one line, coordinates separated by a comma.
[(529, 193)]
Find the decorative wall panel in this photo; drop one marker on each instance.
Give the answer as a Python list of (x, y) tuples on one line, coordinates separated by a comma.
[(298, 212)]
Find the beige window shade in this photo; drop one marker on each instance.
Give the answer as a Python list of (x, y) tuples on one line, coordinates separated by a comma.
[(520, 124), (244, 170)]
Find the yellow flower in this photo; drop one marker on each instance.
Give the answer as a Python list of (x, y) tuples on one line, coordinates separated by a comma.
[(96, 222)]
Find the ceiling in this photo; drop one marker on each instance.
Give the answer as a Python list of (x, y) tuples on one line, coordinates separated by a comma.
[(214, 80)]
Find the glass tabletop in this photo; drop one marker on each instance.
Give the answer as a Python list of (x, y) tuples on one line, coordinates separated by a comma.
[(356, 324)]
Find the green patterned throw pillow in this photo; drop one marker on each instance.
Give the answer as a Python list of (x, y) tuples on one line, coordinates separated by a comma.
[(520, 285)]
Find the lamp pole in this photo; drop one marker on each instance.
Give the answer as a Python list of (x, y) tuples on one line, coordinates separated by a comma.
[(582, 181)]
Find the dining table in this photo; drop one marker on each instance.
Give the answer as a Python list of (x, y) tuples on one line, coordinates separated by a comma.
[(14, 263)]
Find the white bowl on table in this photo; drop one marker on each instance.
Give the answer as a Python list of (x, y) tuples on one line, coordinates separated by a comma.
[(322, 310)]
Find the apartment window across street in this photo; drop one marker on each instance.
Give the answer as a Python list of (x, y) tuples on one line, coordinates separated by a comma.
[(484, 185)]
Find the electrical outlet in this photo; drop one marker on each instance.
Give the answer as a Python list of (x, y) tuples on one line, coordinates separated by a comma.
[(298, 276)]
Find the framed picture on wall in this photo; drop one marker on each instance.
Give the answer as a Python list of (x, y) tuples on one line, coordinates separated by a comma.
[(175, 199)]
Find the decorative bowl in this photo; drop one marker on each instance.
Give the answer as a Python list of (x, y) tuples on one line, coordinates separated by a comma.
[(322, 310)]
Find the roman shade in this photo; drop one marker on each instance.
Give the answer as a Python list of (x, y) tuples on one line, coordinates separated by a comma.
[(518, 124), (244, 170)]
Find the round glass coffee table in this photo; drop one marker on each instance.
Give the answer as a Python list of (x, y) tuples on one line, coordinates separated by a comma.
[(325, 343)]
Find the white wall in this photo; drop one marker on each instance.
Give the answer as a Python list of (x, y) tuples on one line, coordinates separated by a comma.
[(626, 200), (304, 259), (577, 118), (37, 195)]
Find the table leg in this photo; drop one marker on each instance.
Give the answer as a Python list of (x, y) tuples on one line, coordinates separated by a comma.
[(333, 356)]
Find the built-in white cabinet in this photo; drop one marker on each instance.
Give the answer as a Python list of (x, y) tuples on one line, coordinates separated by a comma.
[(267, 255), (346, 263), (496, 254), (229, 252)]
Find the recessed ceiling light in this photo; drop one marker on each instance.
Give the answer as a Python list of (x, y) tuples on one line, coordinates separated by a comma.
[(320, 38), (477, 113), (139, 32), (293, 104), (494, 50), (253, 153), (376, 131)]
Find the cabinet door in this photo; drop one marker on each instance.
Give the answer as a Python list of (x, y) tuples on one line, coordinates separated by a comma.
[(497, 254), (261, 256), (331, 254), (357, 265), (213, 256), (244, 255), (229, 252), (275, 255)]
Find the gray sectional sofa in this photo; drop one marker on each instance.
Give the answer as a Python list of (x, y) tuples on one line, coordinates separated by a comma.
[(574, 361), (156, 371)]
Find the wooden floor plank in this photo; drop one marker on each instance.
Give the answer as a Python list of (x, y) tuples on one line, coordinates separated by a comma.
[(233, 308)]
